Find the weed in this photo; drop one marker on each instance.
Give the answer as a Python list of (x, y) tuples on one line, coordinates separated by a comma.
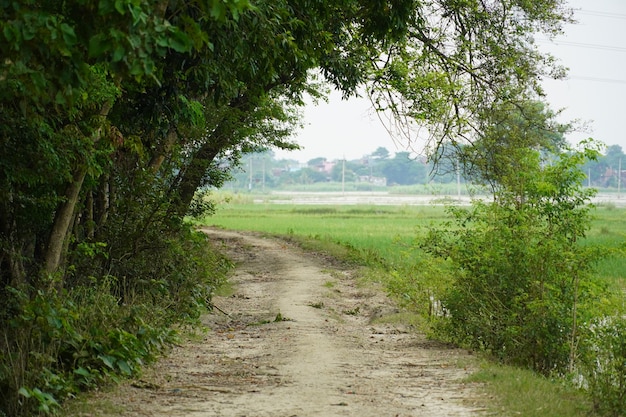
[(352, 312)]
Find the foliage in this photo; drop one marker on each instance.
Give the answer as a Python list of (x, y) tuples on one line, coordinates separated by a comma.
[(505, 153), (56, 344), (604, 365), (404, 170), (521, 285)]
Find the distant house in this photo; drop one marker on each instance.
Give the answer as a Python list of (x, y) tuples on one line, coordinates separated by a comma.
[(380, 181), (324, 166), (610, 176)]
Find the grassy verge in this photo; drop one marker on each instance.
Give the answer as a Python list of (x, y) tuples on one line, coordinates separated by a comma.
[(518, 392)]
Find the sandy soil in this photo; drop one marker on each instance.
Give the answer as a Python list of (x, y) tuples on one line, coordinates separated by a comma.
[(300, 338)]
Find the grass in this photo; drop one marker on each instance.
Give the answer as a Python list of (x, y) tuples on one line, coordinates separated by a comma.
[(377, 232), (520, 392), (375, 236)]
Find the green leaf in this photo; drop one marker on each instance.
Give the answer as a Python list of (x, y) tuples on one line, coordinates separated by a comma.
[(120, 6), (24, 392), (136, 69), (119, 53), (218, 10), (69, 36), (124, 367), (179, 41), (98, 45), (82, 372), (10, 33), (107, 360)]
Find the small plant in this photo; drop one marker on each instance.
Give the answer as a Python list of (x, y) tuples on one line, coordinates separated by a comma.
[(330, 284), (46, 402), (352, 312), (280, 317), (604, 366)]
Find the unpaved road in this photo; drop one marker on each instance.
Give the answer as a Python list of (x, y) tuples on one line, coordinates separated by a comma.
[(330, 352)]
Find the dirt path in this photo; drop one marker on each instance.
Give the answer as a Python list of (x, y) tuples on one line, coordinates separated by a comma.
[(301, 339)]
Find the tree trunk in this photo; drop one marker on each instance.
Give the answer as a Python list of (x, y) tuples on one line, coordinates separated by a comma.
[(62, 221), (164, 150), (65, 212), (191, 178)]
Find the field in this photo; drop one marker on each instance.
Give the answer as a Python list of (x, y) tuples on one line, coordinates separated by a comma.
[(381, 232)]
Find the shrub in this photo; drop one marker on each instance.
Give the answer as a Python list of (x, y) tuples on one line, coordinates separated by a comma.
[(522, 282), (604, 365)]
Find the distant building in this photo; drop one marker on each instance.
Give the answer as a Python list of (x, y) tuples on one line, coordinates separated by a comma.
[(380, 181), (325, 166)]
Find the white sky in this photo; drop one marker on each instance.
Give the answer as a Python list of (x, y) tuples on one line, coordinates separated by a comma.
[(594, 50)]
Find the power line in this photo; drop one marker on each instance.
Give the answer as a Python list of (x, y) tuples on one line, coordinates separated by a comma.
[(584, 45), (594, 79), (598, 79), (601, 14)]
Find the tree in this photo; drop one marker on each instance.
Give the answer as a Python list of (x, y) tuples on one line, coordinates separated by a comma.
[(149, 89), (380, 153), (404, 170), (344, 171), (315, 162), (461, 58), (522, 281), (505, 152)]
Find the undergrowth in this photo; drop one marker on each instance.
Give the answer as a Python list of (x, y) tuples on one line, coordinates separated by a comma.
[(57, 342)]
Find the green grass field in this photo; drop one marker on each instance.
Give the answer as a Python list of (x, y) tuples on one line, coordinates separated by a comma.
[(381, 231)]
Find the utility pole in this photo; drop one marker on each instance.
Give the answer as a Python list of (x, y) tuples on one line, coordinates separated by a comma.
[(263, 183), (250, 175), (343, 175), (458, 180), (619, 179)]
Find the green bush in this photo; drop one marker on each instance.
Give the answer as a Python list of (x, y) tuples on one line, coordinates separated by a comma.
[(521, 281), (604, 365)]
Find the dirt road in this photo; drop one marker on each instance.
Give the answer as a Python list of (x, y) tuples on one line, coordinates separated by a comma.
[(301, 338)]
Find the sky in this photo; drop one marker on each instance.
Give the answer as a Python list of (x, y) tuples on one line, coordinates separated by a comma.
[(594, 50)]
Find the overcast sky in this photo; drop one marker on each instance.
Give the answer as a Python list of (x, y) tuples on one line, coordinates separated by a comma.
[(594, 50)]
